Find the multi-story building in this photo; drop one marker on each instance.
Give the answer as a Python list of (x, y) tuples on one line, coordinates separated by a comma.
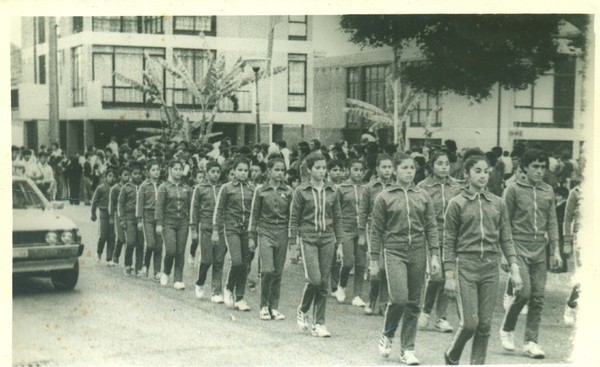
[(94, 104), (15, 79), (550, 112)]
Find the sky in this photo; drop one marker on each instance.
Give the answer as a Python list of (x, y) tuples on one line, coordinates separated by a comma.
[(326, 35)]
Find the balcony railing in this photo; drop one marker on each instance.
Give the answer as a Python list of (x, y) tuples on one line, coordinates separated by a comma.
[(125, 96)]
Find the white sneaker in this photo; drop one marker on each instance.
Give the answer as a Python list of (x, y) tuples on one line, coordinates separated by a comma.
[(358, 302), (277, 315), (199, 291), (408, 357), (340, 295), (164, 279), (216, 298), (385, 346), (533, 350), (264, 314), (507, 338), (368, 310), (525, 310), (242, 305), (228, 298), (507, 300), (320, 331), (444, 326), (158, 276), (423, 320), (301, 319), (569, 316), (179, 286)]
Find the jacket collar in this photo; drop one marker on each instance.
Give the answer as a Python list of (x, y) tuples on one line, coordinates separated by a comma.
[(379, 181), (430, 182), (542, 185), (308, 185), (485, 193), (412, 187), (267, 187)]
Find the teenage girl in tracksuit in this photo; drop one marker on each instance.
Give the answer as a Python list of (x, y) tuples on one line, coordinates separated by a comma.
[(404, 230), (128, 221), (204, 199), (145, 213), (353, 255), (113, 201), (315, 222), (100, 200), (269, 219), (477, 233), (531, 209), (441, 187), (230, 219), (378, 288), (172, 222)]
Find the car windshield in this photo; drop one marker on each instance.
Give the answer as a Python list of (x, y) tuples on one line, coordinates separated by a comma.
[(25, 197)]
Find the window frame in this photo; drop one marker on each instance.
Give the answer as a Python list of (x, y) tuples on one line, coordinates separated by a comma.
[(76, 77), (289, 93), (41, 30), (298, 37), (194, 32), (77, 24)]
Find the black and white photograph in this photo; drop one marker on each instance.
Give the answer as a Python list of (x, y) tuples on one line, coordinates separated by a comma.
[(303, 186)]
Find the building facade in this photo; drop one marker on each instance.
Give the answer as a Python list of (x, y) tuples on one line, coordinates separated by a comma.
[(550, 112), (95, 105)]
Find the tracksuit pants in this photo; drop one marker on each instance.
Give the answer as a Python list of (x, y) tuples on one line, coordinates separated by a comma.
[(236, 240), (405, 272), (119, 239), (378, 289), (272, 252), (317, 255), (533, 272), (154, 244), (336, 265), (478, 281), (211, 256), (175, 235), (434, 291), (135, 243), (353, 257), (106, 235)]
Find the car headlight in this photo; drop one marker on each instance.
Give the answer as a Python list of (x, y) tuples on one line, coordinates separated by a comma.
[(51, 238), (66, 237)]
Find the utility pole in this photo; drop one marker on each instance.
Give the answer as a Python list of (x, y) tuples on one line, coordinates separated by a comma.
[(53, 118)]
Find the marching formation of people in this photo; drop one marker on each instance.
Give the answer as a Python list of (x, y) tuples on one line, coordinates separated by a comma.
[(418, 230)]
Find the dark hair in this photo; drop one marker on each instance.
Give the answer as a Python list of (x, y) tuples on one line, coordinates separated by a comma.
[(472, 156), (383, 157), (492, 159), (282, 144), (435, 154), (240, 160), (135, 166), (312, 158), (42, 154), (27, 152), (152, 162), (303, 147), (562, 191), (212, 164), (173, 162), (497, 151), (124, 169), (532, 155), (334, 163), (272, 159), (401, 157), (353, 161), (316, 144)]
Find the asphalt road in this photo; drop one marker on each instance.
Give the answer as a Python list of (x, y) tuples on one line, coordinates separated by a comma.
[(111, 319)]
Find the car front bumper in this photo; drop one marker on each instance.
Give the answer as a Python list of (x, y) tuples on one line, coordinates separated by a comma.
[(34, 259)]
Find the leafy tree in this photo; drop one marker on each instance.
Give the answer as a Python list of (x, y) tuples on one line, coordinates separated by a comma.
[(468, 54)]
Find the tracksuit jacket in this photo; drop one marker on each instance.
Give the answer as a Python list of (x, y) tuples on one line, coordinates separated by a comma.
[(146, 201), (440, 193), (127, 201), (233, 205), (315, 213), (204, 199), (532, 213), (270, 207), (100, 198), (370, 192), (172, 203), (476, 224), (350, 195), (403, 219), (113, 198)]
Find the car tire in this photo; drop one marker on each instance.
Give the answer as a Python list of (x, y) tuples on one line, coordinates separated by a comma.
[(65, 280)]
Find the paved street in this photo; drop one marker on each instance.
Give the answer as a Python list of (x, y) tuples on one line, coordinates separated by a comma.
[(111, 319)]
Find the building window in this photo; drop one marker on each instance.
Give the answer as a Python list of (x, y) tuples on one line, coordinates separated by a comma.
[(41, 28), (550, 101), (117, 24), (14, 99), (129, 62), (354, 91), (297, 82), (367, 84), (196, 63), (428, 107), (77, 76), (153, 25), (297, 27), (42, 69), (195, 25), (77, 24)]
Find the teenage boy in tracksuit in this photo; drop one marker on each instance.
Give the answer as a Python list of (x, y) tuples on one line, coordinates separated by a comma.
[(146, 221), (532, 211), (204, 199), (100, 201), (113, 200), (127, 219), (353, 256)]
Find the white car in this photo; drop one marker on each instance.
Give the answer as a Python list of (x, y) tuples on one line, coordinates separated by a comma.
[(45, 243)]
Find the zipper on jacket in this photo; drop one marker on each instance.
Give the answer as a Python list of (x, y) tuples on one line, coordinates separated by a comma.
[(535, 208), (481, 223), (323, 209), (408, 217), (356, 203), (243, 204)]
